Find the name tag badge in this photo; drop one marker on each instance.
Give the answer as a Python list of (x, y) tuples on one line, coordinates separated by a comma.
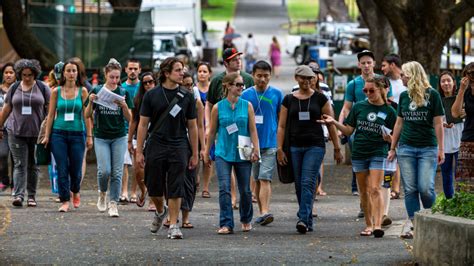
[(69, 117), (26, 110), (232, 128), (303, 115), (259, 119), (382, 115), (175, 110)]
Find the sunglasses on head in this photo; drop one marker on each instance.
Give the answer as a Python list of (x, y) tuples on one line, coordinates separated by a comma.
[(238, 84), (148, 82), (368, 91)]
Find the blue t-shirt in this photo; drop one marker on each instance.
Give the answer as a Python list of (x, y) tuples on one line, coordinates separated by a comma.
[(132, 90), (268, 104), (354, 91)]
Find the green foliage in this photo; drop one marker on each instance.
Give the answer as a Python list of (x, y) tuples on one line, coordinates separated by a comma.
[(219, 10), (461, 205), (303, 9)]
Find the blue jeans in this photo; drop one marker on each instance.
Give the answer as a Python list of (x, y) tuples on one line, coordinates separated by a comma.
[(448, 168), (242, 174), (68, 150), (418, 171), (110, 155), (306, 163)]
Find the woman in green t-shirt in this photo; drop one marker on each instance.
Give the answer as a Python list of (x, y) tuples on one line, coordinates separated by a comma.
[(419, 128), (372, 121), (110, 135)]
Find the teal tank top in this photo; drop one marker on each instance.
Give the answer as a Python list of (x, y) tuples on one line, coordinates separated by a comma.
[(64, 109), (226, 146)]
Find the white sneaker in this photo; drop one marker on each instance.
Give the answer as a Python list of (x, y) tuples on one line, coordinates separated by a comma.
[(113, 210), (102, 202)]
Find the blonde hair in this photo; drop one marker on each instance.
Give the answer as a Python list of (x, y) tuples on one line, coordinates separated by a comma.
[(227, 80), (417, 83), (380, 83), (52, 82)]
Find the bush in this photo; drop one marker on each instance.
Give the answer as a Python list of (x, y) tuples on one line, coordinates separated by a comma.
[(461, 205)]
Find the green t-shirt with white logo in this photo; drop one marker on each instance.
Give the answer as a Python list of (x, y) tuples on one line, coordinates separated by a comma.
[(109, 123), (367, 120), (418, 127)]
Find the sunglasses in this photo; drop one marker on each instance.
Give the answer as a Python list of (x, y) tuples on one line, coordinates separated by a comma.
[(368, 91), (238, 84), (149, 82)]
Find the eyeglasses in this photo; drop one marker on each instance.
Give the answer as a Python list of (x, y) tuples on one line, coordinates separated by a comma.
[(146, 82), (368, 91), (238, 84)]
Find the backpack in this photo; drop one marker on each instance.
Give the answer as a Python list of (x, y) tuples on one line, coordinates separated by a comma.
[(41, 86)]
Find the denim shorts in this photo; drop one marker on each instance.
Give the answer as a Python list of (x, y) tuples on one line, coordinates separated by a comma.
[(264, 169), (372, 163)]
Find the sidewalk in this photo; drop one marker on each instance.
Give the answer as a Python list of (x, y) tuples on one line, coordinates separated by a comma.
[(83, 236)]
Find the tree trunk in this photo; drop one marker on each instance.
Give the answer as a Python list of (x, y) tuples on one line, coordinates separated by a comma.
[(204, 3), (337, 9), (126, 13), (21, 37), (381, 33), (423, 27)]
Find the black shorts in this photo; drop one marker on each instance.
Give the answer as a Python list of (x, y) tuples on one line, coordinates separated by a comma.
[(165, 170)]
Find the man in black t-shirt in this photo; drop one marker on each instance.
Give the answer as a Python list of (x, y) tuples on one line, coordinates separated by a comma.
[(168, 148)]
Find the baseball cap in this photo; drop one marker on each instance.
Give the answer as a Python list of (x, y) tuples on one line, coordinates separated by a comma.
[(58, 68), (304, 71), (230, 53), (364, 53)]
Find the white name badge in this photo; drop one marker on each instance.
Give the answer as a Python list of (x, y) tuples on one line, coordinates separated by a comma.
[(232, 128), (175, 110), (259, 119), (382, 115), (303, 115), (26, 110), (69, 117)]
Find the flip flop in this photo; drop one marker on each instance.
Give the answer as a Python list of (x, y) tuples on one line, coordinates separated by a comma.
[(366, 232), (378, 233), (322, 193), (141, 200), (246, 227), (407, 235), (31, 202), (133, 200), (394, 195), (187, 225), (205, 194), (225, 231)]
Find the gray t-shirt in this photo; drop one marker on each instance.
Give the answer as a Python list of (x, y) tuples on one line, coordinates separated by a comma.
[(27, 124)]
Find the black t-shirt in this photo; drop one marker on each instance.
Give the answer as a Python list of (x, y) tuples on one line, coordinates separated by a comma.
[(173, 131), (468, 132), (305, 133)]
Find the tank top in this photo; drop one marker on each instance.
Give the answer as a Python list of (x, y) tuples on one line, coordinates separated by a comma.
[(226, 146), (69, 113)]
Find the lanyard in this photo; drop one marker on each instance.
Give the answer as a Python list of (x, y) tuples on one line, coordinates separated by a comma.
[(299, 103), (259, 99), (74, 99), (31, 94)]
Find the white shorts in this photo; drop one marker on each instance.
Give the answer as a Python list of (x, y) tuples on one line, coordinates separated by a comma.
[(127, 160)]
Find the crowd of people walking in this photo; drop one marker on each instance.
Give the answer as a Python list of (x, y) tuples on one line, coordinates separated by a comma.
[(165, 124)]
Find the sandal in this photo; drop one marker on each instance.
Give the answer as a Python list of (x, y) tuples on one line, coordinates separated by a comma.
[(225, 231), (254, 199), (205, 194), (167, 223), (64, 207), (321, 193), (378, 233), (187, 225), (394, 195), (133, 199), (141, 200), (123, 200), (31, 202), (366, 232), (407, 235), (246, 227)]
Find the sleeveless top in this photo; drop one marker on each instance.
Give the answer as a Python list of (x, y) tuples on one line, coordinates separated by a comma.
[(69, 113), (226, 145)]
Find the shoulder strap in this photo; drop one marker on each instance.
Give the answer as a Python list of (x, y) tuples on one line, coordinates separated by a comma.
[(14, 87), (181, 94)]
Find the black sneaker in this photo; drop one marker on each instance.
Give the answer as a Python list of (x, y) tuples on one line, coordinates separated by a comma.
[(301, 227), (386, 221), (17, 202)]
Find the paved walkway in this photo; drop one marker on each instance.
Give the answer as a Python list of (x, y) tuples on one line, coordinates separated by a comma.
[(42, 235)]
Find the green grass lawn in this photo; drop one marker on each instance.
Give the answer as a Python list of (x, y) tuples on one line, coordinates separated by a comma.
[(219, 10)]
